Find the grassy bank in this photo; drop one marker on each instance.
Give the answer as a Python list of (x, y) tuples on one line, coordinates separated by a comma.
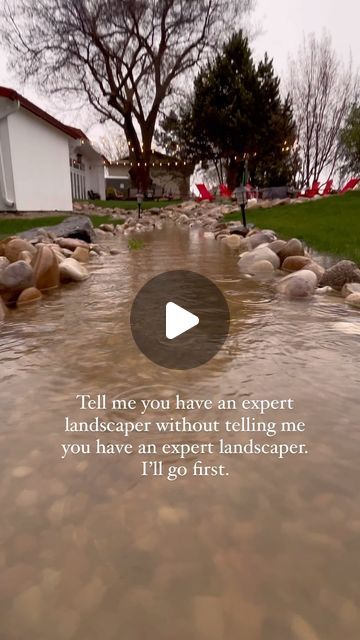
[(12, 226), (130, 205), (330, 225)]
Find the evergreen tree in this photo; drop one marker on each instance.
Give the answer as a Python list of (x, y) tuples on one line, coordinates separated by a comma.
[(235, 114)]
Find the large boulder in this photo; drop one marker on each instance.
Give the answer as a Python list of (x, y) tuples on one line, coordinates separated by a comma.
[(293, 247), (79, 227), (16, 277), (15, 247), (248, 259), (340, 274), (300, 284), (295, 263), (72, 271), (46, 269)]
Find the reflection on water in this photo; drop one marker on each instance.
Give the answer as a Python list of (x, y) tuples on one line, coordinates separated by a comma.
[(89, 550)]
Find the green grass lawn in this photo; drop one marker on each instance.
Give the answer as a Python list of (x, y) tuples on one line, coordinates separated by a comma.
[(12, 226), (330, 225), (131, 204)]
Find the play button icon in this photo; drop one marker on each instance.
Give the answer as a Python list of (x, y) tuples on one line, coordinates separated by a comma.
[(179, 319)]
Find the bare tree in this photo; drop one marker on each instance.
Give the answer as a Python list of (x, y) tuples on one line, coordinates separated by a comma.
[(112, 143), (323, 92), (125, 55)]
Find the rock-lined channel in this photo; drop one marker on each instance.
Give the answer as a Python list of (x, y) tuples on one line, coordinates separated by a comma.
[(91, 551)]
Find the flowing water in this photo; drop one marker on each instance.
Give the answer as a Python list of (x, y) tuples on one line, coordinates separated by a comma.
[(91, 550)]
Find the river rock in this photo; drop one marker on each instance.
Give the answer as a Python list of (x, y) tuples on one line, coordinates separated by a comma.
[(28, 296), (349, 288), (233, 241), (3, 310), (107, 227), (16, 276), (16, 246), (295, 263), (4, 262), (354, 300), (26, 256), (316, 268), (292, 248), (81, 254), (72, 270), (277, 245), (261, 238), (247, 260), (340, 274), (46, 269), (71, 243), (261, 267), (300, 284)]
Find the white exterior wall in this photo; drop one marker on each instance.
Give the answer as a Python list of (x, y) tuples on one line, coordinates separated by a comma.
[(40, 161)]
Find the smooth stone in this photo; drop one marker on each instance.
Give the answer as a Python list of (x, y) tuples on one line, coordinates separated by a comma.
[(114, 252), (324, 291), (3, 310), (15, 247), (316, 268), (71, 243), (257, 239), (4, 262), (26, 256), (81, 254), (107, 227), (295, 263), (72, 270), (277, 245), (239, 231), (340, 274), (349, 288), (353, 300), (28, 296), (300, 284), (17, 276), (46, 269), (247, 260), (293, 247), (263, 267), (233, 241)]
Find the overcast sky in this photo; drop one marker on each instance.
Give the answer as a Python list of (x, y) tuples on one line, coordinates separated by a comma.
[(281, 25)]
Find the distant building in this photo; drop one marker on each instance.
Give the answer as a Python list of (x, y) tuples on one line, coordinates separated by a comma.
[(170, 177), (44, 164)]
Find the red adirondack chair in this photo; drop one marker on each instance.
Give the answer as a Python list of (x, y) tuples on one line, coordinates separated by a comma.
[(314, 191), (225, 191), (204, 193), (350, 185), (327, 188)]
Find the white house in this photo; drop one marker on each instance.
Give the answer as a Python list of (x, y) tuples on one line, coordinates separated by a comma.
[(44, 164)]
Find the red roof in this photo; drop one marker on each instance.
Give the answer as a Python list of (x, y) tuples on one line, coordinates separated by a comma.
[(72, 132)]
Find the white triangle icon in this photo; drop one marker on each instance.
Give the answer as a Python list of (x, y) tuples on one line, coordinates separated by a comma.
[(178, 320)]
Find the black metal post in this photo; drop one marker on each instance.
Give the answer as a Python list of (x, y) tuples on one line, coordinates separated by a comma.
[(243, 213), (139, 210)]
